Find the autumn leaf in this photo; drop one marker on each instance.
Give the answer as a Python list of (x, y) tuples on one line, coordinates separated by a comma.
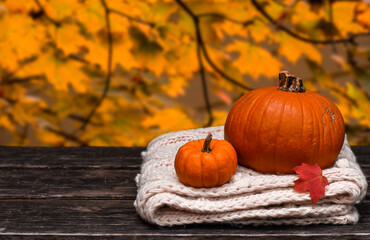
[(20, 38), (219, 117), (343, 15), (91, 15), (176, 85), (68, 38), (292, 49), (311, 180), (60, 72), (254, 60), (20, 6), (60, 9), (169, 119), (259, 32)]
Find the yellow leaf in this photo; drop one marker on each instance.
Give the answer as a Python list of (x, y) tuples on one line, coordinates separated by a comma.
[(303, 15), (231, 29), (183, 59), (148, 53), (106, 110), (60, 9), (219, 56), (98, 51), (176, 85), (169, 119), (219, 118), (292, 49), (48, 137), (91, 15), (260, 31), (343, 15), (6, 123), (59, 72), (20, 37), (363, 16), (362, 109), (23, 113), (20, 6), (67, 38), (254, 60)]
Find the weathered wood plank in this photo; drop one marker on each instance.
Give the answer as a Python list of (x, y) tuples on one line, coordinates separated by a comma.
[(67, 183), (361, 150), (71, 157), (94, 157), (114, 218)]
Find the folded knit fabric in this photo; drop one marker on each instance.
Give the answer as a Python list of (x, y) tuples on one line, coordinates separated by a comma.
[(248, 198)]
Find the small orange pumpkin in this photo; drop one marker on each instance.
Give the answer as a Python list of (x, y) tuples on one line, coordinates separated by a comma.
[(274, 129), (206, 162)]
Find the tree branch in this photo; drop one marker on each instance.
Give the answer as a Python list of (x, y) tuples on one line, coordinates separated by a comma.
[(66, 136), (150, 24), (23, 135), (220, 15), (53, 21), (71, 116), (109, 67), (351, 61), (349, 39), (332, 27), (204, 85), (201, 43), (344, 95), (21, 80)]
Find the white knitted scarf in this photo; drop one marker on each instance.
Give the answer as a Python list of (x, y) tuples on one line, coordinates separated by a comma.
[(248, 198)]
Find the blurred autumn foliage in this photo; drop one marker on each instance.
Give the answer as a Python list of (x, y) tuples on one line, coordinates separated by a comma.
[(110, 72)]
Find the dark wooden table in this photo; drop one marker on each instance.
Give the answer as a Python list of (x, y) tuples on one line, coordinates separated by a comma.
[(88, 193)]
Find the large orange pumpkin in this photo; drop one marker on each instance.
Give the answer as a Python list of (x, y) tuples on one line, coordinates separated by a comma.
[(206, 162), (274, 129)]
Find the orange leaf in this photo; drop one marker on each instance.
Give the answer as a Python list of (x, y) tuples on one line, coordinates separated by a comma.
[(223, 96), (311, 180)]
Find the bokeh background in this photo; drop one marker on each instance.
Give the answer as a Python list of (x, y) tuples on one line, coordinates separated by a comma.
[(120, 72)]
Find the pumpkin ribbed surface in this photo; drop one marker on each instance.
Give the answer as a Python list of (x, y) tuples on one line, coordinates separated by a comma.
[(206, 169), (274, 130)]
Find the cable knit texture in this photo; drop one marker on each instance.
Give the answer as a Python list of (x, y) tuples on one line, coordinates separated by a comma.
[(248, 198)]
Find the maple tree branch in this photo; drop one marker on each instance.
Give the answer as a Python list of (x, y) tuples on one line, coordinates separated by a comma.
[(219, 15), (23, 135), (344, 95), (150, 24), (50, 129), (50, 19), (200, 41), (67, 136), (351, 61), (109, 66), (71, 116), (332, 27), (9, 100), (204, 85), (21, 80), (349, 39)]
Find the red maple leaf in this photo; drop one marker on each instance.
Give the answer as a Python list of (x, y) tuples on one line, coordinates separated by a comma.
[(311, 180)]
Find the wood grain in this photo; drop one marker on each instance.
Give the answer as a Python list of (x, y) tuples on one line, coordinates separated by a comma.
[(70, 158), (88, 193)]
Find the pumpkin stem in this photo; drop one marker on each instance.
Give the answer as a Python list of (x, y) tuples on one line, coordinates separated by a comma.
[(290, 83), (207, 144)]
